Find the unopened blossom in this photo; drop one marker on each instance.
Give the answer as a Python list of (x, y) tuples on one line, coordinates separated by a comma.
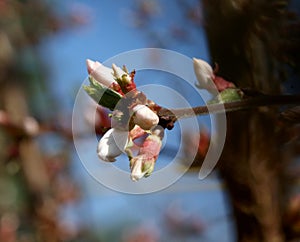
[(115, 89), (136, 165), (112, 144), (204, 74), (143, 164), (144, 117), (103, 88), (207, 78), (100, 73)]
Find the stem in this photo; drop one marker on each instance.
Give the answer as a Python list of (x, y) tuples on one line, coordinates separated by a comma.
[(247, 103)]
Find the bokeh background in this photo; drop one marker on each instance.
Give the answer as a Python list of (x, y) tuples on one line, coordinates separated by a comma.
[(45, 192)]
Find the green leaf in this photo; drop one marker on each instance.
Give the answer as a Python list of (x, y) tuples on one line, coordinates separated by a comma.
[(227, 95), (104, 96)]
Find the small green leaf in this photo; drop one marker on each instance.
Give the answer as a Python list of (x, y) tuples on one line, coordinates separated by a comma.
[(104, 96), (228, 95)]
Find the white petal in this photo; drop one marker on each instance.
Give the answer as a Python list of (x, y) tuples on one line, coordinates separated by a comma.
[(100, 73), (144, 117), (112, 144), (204, 74)]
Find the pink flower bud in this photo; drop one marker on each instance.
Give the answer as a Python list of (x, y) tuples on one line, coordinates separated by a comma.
[(112, 144), (144, 117), (143, 164), (100, 73)]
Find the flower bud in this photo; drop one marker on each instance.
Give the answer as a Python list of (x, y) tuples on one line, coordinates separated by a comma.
[(136, 164), (204, 74), (144, 117), (112, 144), (100, 73), (143, 164)]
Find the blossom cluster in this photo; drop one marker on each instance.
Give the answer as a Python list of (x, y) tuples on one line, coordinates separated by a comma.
[(133, 116)]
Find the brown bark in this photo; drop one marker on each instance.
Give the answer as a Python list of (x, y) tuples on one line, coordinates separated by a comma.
[(242, 43)]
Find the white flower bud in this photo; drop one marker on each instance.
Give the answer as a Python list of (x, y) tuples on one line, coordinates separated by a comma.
[(204, 74), (144, 117), (136, 171), (112, 144), (100, 73)]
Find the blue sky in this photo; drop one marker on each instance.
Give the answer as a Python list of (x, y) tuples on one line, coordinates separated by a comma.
[(107, 35)]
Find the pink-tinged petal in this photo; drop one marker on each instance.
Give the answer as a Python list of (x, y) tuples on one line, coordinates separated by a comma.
[(100, 73), (143, 164), (151, 146), (222, 84), (137, 132), (90, 65)]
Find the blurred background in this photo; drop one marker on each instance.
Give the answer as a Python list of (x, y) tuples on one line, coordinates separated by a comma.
[(45, 192)]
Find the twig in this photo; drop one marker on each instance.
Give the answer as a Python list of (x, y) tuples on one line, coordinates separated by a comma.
[(247, 103)]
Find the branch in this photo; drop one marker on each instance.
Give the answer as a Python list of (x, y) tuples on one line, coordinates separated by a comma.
[(247, 103)]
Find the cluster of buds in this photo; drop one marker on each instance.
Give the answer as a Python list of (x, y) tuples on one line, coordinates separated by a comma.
[(133, 116)]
